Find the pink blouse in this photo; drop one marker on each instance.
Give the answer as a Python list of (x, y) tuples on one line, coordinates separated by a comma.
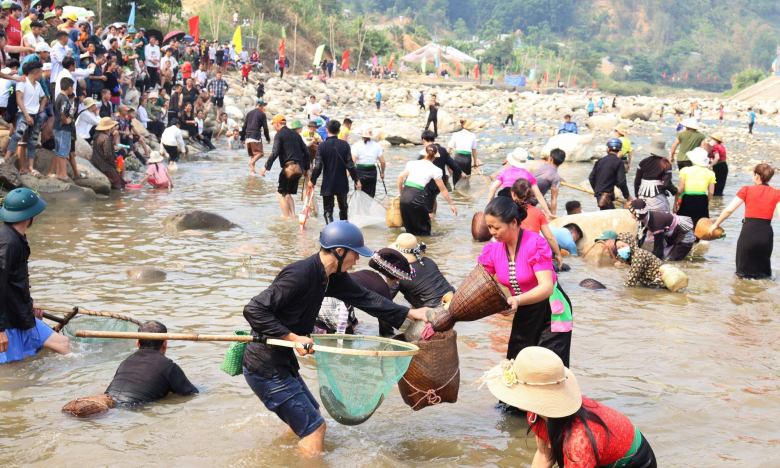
[(534, 255), (509, 175)]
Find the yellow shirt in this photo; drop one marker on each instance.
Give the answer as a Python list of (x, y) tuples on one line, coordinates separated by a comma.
[(697, 179), (25, 26), (307, 134), (626, 146), (343, 133)]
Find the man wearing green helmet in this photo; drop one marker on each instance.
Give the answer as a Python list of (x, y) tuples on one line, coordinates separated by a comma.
[(22, 333)]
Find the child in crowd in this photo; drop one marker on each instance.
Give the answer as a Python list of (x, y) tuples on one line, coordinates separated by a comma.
[(573, 207), (261, 89), (63, 125), (157, 174), (245, 69), (28, 98)]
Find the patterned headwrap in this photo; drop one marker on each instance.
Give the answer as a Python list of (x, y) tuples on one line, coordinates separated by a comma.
[(392, 269), (415, 251)]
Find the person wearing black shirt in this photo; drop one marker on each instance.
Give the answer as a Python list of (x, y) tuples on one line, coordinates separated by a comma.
[(148, 375), (433, 115), (190, 93), (667, 230), (174, 107), (106, 107), (115, 53), (293, 156), (444, 160), (609, 172), (334, 156), (429, 285), (255, 124), (112, 83), (653, 179), (261, 89), (288, 309)]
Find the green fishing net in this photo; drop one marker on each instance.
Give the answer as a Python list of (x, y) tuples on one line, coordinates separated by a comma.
[(96, 323), (353, 387)]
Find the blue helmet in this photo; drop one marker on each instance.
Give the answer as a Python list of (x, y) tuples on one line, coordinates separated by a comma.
[(20, 205), (614, 144), (346, 235)]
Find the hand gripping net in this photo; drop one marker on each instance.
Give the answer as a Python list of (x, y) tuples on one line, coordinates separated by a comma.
[(353, 386)]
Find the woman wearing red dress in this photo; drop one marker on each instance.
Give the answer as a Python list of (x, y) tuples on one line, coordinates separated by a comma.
[(755, 244), (571, 431)]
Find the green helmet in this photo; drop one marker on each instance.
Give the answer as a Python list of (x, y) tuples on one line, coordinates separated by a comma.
[(296, 124), (21, 204)]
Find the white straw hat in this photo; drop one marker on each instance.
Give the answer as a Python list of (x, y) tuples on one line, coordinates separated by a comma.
[(691, 123), (155, 157), (699, 156), (536, 381), (518, 158)]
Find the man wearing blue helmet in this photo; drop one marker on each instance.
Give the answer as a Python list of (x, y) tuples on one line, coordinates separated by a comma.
[(288, 309), (22, 333), (609, 172)]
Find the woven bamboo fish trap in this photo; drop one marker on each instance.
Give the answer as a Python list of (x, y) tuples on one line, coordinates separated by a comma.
[(393, 215), (89, 406), (478, 297), (433, 376), (702, 230), (479, 227)]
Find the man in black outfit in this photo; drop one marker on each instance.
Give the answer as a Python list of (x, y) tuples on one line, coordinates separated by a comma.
[(148, 375), (433, 115), (334, 156), (291, 151), (609, 172), (255, 124), (444, 160)]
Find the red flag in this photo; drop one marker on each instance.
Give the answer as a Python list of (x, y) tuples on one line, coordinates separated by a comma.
[(457, 68), (559, 76), (697, 76), (716, 79), (575, 81), (545, 77), (490, 69), (195, 28), (708, 77), (594, 84), (345, 60), (686, 76), (476, 71), (390, 65), (281, 49), (674, 75), (664, 75)]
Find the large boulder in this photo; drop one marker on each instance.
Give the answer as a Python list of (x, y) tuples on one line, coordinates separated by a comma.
[(197, 219), (234, 112), (602, 122), (95, 179), (636, 112), (407, 111), (578, 148), (51, 189), (139, 129), (400, 134), (447, 122), (145, 274), (9, 177), (594, 224), (83, 149)]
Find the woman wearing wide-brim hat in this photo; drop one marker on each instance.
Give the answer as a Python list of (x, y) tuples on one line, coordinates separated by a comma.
[(366, 153), (565, 423), (653, 181), (515, 169), (696, 187), (429, 285), (718, 161), (103, 156), (464, 143)]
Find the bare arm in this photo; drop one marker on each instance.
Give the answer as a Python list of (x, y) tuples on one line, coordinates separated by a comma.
[(554, 200), (543, 456), (547, 233), (710, 192), (735, 203), (542, 201), (446, 194), (382, 166), (541, 292), (493, 189), (674, 149), (401, 178), (474, 160)]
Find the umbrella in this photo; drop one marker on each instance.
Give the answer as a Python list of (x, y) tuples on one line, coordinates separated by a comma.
[(155, 34), (189, 38), (173, 35)]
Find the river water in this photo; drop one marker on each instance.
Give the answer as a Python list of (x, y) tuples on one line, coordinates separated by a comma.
[(696, 371)]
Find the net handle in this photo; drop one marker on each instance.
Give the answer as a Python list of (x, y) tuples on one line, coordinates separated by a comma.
[(78, 310), (411, 351)]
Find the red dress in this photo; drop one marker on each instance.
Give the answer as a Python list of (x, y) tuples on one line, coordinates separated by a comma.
[(578, 452)]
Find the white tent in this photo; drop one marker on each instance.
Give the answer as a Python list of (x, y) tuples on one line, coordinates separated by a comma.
[(431, 50)]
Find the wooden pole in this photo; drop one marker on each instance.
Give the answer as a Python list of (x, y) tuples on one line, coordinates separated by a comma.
[(570, 69), (295, 43), (618, 200), (411, 351)]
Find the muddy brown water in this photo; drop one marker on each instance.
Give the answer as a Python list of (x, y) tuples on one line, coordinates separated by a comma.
[(696, 371)]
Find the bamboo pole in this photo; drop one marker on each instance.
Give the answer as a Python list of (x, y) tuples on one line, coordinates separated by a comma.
[(618, 200), (411, 351)]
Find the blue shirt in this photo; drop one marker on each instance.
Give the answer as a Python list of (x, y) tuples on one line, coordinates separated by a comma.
[(565, 240), (568, 127), (378, 97), (752, 117), (591, 106), (601, 103)]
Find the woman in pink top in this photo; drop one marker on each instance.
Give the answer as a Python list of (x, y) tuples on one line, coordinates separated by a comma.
[(514, 171), (522, 261), (157, 174)]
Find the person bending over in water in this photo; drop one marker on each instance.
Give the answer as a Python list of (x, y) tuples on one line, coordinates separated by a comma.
[(148, 375), (645, 267)]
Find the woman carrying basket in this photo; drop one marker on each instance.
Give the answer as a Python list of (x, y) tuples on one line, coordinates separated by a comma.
[(522, 261), (411, 184)]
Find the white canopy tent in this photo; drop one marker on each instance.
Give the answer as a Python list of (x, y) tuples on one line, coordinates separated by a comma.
[(431, 50)]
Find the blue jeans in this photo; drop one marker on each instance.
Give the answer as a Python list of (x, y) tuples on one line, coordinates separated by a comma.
[(62, 143), (32, 135), (290, 399)]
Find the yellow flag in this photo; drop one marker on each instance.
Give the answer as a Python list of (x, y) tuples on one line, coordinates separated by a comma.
[(237, 39)]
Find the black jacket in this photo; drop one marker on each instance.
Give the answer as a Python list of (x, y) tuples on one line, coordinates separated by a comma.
[(16, 305), (334, 156), (147, 375), (427, 288), (609, 172), (291, 304), (255, 123), (288, 146)]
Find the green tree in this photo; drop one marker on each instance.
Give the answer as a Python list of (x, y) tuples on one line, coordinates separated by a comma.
[(490, 30), (460, 30), (642, 69)]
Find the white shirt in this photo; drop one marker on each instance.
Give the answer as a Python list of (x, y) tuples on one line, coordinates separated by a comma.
[(174, 63), (213, 53), (463, 140), (200, 125), (107, 41), (234, 142), (5, 91), (244, 55), (422, 171), (172, 137), (200, 77), (314, 108), (85, 122), (152, 54), (75, 75), (58, 52), (31, 96), (142, 116), (32, 39), (367, 153)]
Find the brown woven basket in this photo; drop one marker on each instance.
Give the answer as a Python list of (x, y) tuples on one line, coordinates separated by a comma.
[(479, 228), (393, 215), (702, 231), (433, 376), (478, 297), (88, 406)]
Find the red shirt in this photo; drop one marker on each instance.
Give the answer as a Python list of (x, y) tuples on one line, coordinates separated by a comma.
[(578, 451), (760, 200), (186, 70), (535, 219), (14, 32), (245, 70), (718, 153)]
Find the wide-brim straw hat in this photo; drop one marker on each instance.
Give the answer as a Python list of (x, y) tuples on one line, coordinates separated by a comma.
[(106, 123), (365, 133), (658, 147), (518, 158), (699, 156), (536, 381), (155, 157), (622, 129), (89, 102), (717, 136), (406, 242), (691, 123), (468, 125)]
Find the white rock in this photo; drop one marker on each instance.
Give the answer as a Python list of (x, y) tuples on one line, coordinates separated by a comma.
[(234, 112), (407, 111), (577, 147)]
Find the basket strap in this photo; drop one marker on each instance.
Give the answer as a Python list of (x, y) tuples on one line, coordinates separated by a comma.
[(431, 395)]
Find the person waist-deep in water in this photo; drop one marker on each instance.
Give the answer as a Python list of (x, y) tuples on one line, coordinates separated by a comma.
[(288, 310), (334, 160)]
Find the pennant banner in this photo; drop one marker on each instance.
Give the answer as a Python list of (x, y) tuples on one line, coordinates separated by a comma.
[(425, 59), (237, 39), (514, 80), (318, 55), (195, 28), (490, 69), (345, 60), (131, 18), (532, 74), (284, 35), (281, 49), (390, 65)]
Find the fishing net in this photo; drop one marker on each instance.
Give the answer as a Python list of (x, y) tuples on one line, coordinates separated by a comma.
[(473, 186), (364, 210), (353, 386), (117, 323)]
